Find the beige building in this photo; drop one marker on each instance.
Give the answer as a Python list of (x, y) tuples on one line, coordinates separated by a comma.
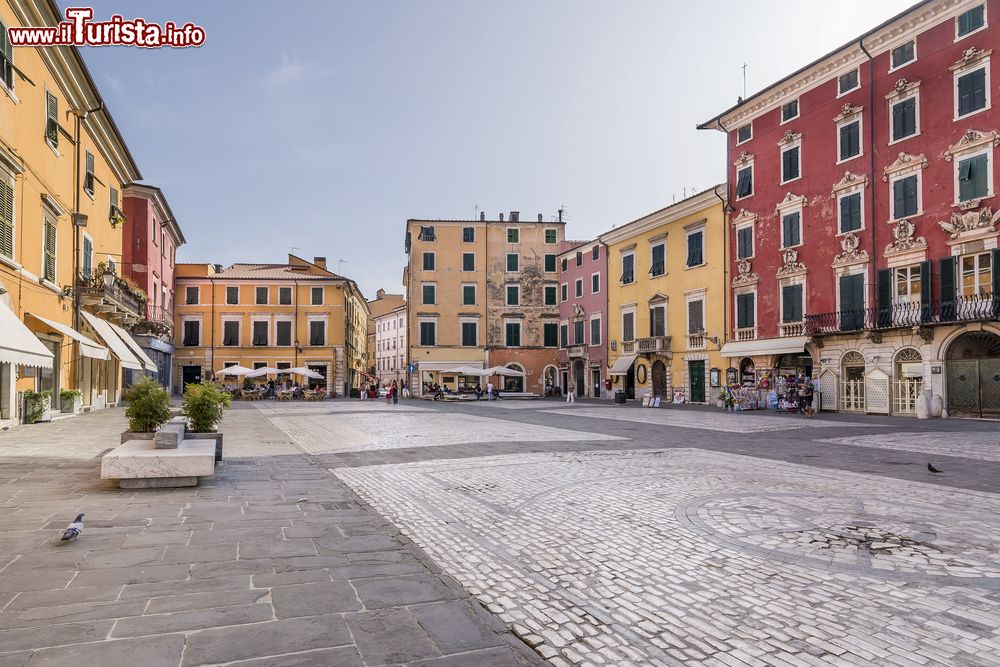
[(387, 337), (277, 315)]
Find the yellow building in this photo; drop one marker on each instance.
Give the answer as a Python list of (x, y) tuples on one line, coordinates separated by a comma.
[(667, 300), (63, 165), (276, 315)]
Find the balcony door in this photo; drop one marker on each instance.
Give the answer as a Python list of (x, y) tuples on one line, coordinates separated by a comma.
[(852, 302)]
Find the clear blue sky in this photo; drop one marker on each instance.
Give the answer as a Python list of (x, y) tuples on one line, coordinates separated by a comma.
[(325, 125)]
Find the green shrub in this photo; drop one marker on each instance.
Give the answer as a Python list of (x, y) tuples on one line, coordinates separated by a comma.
[(35, 403), (148, 406), (69, 395), (203, 405)]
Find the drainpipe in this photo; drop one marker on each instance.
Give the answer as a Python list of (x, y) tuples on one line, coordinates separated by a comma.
[(725, 248), (871, 164), (211, 341), (296, 325)]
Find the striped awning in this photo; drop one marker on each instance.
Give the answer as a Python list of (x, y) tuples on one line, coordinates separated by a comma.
[(18, 345), (88, 347)]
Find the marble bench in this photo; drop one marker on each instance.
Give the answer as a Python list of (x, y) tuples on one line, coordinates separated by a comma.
[(140, 464)]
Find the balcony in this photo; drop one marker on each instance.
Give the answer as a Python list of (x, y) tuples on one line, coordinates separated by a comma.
[(156, 321), (749, 333), (696, 341), (653, 345), (793, 329), (112, 295), (576, 351), (628, 347), (905, 315)]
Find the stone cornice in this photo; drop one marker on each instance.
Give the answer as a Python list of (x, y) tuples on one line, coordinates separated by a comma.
[(970, 141), (851, 254), (791, 202), (903, 88), (971, 57), (744, 159), (903, 163), (848, 111), (790, 137), (744, 217), (744, 274), (791, 266), (849, 182)]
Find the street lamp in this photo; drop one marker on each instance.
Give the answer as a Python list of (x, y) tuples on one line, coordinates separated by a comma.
[(109, 279)]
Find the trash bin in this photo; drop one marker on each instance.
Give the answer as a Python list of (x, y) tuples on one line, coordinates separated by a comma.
[(620, 397)]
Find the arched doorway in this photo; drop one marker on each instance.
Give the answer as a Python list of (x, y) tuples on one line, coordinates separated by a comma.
[(549, 375), (907, 381), (579, 378), (515, 384), (660, 379), (852, 382), (974, 375)]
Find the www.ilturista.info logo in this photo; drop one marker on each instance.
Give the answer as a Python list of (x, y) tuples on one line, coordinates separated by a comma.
[(79, 30)]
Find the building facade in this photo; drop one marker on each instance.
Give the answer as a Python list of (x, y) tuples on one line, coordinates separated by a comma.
[(152, 237), (666, 301), (387, 338), (583, 324), (275, 315), (864, 241), (63, 166)]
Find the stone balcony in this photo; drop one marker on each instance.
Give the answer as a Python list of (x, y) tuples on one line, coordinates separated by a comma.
[(117, 300), (793, 329), (746, 334), (653, 345)]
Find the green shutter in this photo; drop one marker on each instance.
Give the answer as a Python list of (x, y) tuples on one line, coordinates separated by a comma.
[(786, 304), (6, 219), (948, 286), (49, 272), (88, 257), (925, 291), (52, 118), (884, 297)]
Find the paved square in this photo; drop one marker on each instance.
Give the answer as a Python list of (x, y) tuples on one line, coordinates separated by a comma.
[(721, 421), (982, 446)]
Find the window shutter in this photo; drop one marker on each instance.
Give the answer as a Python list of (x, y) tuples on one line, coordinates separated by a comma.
[(947, 288), (910, 193), (6, 219), (898, 199), (980, 187), (925, 291), (787, 304), (995, 287), (88, 257), (884, 297), (909, 117), (977, 92)]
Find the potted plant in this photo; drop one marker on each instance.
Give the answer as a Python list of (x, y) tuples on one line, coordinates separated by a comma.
[(71, 400), (203, 406), (37, 406), (148, 409)]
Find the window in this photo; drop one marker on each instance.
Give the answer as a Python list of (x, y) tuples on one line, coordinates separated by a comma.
[(260, 332), (428, 331), (428, 261), (550, 295), (283, 333), (848, 82), (744, 242), (285, 296), (657, 259), (970, 21), (6, 59), (52, 119), (789, 110), (191, 295), (550, 334), (790, 168), (317, 332), (88, 258), (88, 173), (628, 327), (903, 54), (513, 235), (696, 317), (49, 249), (316, 296), (852, 301), (564, 264), (512, 334), (427, 234), (231, 333), (628, 269), (550, 263), (905, 197), (565, 291), (695, 248), (7, 212), (595, 253), (850, 213), (578, 288), (744, 182), (745, 310), (468, 234), (192, 333), (550, 236), (849, 140), (429, 293), (468, 261), (262, 294), (973, 177), (595, 331), (513, 295), (513, 260), (595, 283), (908, 284), (468, 295), (904, 118), (470, 334), (971, 91), (791, 303), (579, 259), (658, 321), (564, 335), (977, 275), (791, 229), (744, 133), (578, 333), (232, 295)]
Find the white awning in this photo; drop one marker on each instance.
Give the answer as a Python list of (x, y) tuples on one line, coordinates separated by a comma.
[(134, 347), (112, 340), (622, 364), (448, 366), (88, 347), (749, 348), (18, 345)]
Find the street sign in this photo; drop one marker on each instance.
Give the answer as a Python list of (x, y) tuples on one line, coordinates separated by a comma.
[(412, 368)]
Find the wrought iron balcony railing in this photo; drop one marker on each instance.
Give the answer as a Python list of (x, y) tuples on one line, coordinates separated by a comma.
[(904, 315)]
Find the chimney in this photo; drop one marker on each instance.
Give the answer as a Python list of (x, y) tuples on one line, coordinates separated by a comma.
[(539, 217), (515, 216), (482, 216), (217, 267), (501, 217), (379, 294), (560, 215), (320, 262)]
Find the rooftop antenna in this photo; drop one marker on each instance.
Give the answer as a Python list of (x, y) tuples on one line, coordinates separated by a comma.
[(340, 264), (744, 68), (475, 216), (294, 248)]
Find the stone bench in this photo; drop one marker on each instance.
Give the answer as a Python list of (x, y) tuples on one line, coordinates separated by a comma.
[(171, 434), (140, 464)]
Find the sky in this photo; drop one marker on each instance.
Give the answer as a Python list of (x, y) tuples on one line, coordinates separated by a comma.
[(321, 129)]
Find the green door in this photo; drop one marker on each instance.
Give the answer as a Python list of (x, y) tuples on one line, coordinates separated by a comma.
[(696, 372)]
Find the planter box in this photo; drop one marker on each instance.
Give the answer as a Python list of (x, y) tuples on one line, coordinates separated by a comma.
[(72, 407), (215, 435), (129, 435)]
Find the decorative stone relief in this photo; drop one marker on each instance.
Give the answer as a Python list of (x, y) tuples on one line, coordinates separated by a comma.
[(905, 241), (848, 111), (849, 182), (971, 221), (577, 310), (851, 255), (904, 162), (970, 141), (744, 159), (790, 137), (743, 217), (744, 275), (971, 56), (790, 264)]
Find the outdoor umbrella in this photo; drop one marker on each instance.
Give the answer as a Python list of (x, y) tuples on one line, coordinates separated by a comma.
[(468, 370), (304, 372), (507, 372), (265, 370), (234, 370)]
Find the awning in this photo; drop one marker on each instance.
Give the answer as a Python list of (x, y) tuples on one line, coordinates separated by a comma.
[(134, 348), (112, 340), (622, 365), (18, 345), (88, 347), (749, 348), (448, 366)]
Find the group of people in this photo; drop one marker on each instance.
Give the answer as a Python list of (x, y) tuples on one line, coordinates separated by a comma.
[(438, 391), (267, 389), (392, 392)]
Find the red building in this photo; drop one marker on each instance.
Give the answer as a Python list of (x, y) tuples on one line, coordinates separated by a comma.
[(583, 323), (863, 243), (152, 237)]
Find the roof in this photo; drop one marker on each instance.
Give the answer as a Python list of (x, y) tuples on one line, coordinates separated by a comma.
[(160, 200), (264, 272), (700, 201)]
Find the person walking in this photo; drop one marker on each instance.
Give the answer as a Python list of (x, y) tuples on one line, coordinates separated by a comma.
[(571, 393), (489, 390), (388, 395), (395, 392)]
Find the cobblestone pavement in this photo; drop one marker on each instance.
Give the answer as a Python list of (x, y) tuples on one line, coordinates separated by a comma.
[(272, 562), (982, 446), (720, 421)]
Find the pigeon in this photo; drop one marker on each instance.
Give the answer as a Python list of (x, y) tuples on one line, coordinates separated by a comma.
[(74, 529), (931, 468)]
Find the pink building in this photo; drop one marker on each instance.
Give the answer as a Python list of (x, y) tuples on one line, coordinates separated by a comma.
[(583, 326), (152, 237)]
